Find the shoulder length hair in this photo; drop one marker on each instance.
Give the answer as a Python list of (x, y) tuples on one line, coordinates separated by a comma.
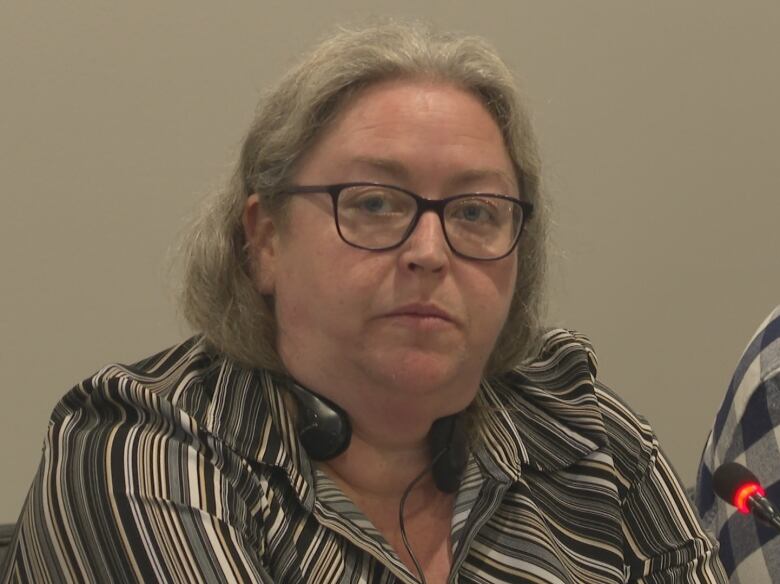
[(217, 294)]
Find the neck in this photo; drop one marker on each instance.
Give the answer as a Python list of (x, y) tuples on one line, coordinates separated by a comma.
[(392, 412), (375, 477), (377, 470), (381, 466)]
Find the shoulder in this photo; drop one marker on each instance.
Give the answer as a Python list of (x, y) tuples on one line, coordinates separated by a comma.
[(628, 436), (559, 350), (183, 402), (751, 405), (627, 448), (765, 345), (568, 359), (745, 426), (170, 379), (131, 460), (632, 440), (139, 431), (114, 431), (759, 362), (564, 414)]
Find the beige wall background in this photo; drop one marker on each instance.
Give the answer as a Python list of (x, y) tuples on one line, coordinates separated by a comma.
[(659, 129)]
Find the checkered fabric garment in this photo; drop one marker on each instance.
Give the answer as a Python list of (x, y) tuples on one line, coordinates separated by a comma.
[(747, 430)]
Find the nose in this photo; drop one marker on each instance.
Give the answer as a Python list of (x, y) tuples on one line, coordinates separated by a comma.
[(426, 248)]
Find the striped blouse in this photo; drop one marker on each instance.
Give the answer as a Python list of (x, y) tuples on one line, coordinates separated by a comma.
[(185, 467)]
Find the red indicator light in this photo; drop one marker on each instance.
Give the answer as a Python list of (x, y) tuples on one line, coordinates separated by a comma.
[(744, 493)]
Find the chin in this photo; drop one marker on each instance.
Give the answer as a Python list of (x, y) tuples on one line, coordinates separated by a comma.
[(420, 372)]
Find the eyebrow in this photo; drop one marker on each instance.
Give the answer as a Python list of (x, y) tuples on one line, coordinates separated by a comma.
[(384, 165), (399, 171), (477, 174)]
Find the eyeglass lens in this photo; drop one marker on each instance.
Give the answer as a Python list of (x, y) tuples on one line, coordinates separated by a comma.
[(479, 226)]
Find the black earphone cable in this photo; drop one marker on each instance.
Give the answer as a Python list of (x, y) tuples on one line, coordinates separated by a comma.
[(408, 490)]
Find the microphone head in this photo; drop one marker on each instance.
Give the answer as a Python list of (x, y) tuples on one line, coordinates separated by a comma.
[(735, 484)]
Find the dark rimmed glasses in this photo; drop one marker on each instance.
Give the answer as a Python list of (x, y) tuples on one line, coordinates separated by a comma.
[(378, 217)]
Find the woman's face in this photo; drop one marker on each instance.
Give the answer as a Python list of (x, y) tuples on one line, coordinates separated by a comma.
[(409, 322)]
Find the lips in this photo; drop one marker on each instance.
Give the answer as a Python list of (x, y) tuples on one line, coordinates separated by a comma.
[(422, 311)]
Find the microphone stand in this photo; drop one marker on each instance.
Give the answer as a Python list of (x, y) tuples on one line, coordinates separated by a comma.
[(764, 511)]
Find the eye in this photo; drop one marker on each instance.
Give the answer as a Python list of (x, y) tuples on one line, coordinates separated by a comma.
[(372, 201), (474, 211)]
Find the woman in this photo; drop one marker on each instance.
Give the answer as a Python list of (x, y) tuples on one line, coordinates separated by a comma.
[(370, 397)]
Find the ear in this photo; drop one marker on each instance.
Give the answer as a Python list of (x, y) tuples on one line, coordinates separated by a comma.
[(262, 241)]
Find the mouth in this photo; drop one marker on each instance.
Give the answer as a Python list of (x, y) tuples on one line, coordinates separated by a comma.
[(422, 313)]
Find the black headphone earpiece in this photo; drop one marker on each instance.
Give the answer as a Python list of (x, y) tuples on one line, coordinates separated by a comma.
[(448, 440), (323, 427), (325, 432)]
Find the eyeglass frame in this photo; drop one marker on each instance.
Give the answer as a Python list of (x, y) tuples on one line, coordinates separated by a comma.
[(423, 206)]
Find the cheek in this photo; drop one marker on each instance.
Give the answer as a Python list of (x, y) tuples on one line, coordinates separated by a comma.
[(504, 273), (509, 283), (495, 288), (508, 289), (323, 285)]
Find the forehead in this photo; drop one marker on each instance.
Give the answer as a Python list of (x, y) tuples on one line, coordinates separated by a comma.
[(408, 130)]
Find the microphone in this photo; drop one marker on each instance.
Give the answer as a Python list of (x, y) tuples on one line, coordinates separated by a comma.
[(738, 486)]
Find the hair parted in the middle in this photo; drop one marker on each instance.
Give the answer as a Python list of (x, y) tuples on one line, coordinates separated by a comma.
[(218, 295)]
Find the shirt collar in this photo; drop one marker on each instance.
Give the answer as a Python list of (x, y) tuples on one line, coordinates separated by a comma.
[(544, 415)]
